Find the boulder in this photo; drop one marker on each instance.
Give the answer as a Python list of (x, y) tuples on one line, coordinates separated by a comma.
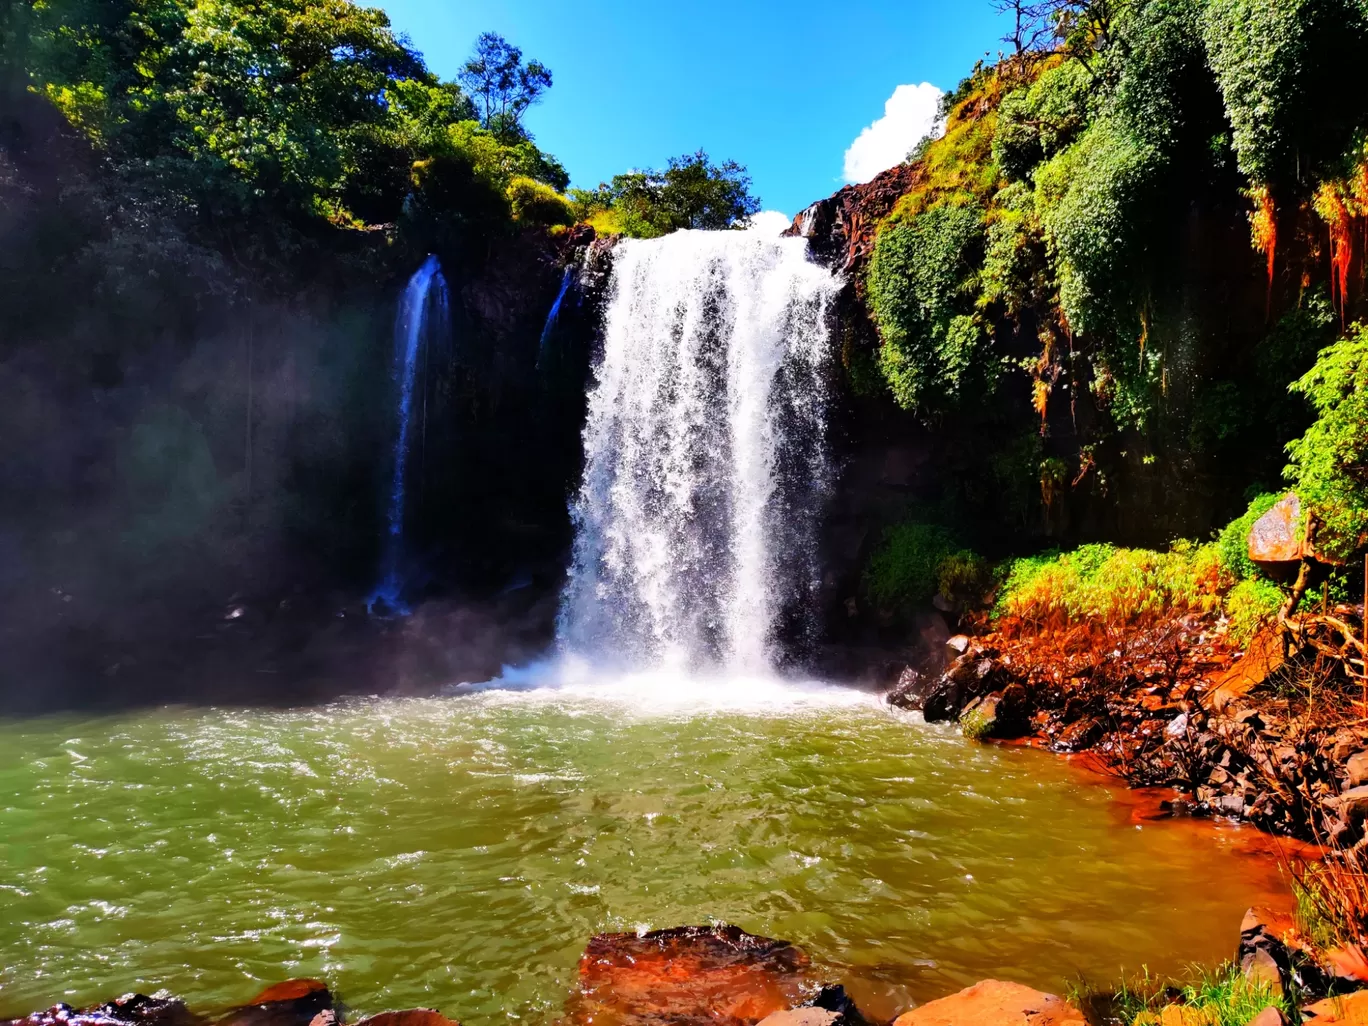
[(292, 1003), (1270, 1016), (994, 1003), (703, 975), (1356, 770), (410, 1017), (1279, 536)]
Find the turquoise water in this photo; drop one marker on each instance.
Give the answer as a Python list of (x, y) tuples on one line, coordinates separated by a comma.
[(457, 853)]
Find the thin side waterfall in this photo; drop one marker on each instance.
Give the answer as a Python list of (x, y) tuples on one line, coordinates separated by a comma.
[(554, 315), (705, 455), (423, 314)]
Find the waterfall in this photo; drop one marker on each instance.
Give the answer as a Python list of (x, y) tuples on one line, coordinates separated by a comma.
[(554, 315), (705, 455), (422, 315)]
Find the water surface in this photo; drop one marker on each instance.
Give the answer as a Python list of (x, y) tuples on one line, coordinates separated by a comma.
[(457, 853)]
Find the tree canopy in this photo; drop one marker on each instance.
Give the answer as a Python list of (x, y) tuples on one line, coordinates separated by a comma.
[(691, 192)]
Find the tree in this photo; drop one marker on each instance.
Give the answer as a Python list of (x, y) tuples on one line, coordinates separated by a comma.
[(502, 85), (692, 192)]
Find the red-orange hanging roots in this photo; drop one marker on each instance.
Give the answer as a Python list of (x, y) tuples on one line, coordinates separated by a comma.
[(1263, 225)]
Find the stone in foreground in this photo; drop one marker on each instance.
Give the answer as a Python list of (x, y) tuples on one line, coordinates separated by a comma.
[(994, 1003), (709, 976)]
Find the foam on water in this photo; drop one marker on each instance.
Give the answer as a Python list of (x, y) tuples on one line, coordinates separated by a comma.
[(572, 682)]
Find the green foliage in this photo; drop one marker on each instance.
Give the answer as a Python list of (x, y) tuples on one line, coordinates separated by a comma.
[(271, 116), (1112, 585), (1223, 997), (1233, 541), (964, 578), (535, 203), (1252, 605), (692, 192), (920, 284), (1037, 122), (904, 570), (1288, 73), (1329, 468), (503, 85)]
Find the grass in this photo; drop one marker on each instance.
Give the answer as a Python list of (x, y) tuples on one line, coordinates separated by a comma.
[(1223, 996), (1332, 899)]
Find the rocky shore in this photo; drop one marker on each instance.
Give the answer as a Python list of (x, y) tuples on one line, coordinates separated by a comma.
[(723, 976)]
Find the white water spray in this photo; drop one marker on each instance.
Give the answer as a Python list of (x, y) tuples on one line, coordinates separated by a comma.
[(705, 456)]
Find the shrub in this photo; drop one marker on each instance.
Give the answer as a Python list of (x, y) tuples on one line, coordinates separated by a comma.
[(536, 203), (1330, 462), (1233, 541), (1112, 585), (1252, 605), (904, 570), (964, 578)]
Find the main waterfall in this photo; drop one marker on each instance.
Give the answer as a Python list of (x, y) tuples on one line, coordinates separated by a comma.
[(705, 455)]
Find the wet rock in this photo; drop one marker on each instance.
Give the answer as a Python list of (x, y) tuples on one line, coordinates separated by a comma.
[(292, 1003), (994, 1003), (833, 998), (129, 1010), (410, 1017), (910, 691), (708, 976), (1353, 803), (807, 1016), (1079, 735), (959, 644), (1002, 714)]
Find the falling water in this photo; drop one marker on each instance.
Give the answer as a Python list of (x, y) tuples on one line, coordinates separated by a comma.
[(554, 315), (705, 455), (423, 313)]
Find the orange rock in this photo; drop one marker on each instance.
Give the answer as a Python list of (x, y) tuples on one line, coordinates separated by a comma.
[(410, 1017), (1348, 1010), (290, 990), (709, 976), (995, 1003), (1264, 655)]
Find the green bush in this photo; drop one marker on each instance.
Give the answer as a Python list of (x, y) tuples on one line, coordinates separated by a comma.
[(905, 569), (1329, 466), (1106, 584), (536, 203), (1251, 606), (921, 281), (1233, 541), (964, 578)]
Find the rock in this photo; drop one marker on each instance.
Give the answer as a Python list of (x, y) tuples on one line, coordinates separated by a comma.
[(1228, 805), (1279, 535), (292, 1003), (1353, 803), (687, 976), (807, 1016), (910, 691), (1079, 735), (1356, 770), (1341, 1010), (833, 998), (994, 1003), (1270, 1016), (1259, 966), (129, 1010), (959, 644), (1002, 714), (410, 1017), (1265, 654)]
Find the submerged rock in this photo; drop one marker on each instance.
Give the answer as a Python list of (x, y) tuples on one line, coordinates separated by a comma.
[(292, 1003), (995, 1003), (129, 1010), (709, 976)]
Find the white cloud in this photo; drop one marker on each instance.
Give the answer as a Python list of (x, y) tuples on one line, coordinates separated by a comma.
[(770, 222), (909, 115)]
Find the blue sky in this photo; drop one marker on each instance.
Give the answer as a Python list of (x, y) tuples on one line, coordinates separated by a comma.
[(783, 87)]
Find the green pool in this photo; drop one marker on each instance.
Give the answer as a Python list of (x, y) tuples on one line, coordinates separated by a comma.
[(457, 852)]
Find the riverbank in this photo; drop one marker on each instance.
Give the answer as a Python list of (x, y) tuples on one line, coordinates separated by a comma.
[(720, 975)]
